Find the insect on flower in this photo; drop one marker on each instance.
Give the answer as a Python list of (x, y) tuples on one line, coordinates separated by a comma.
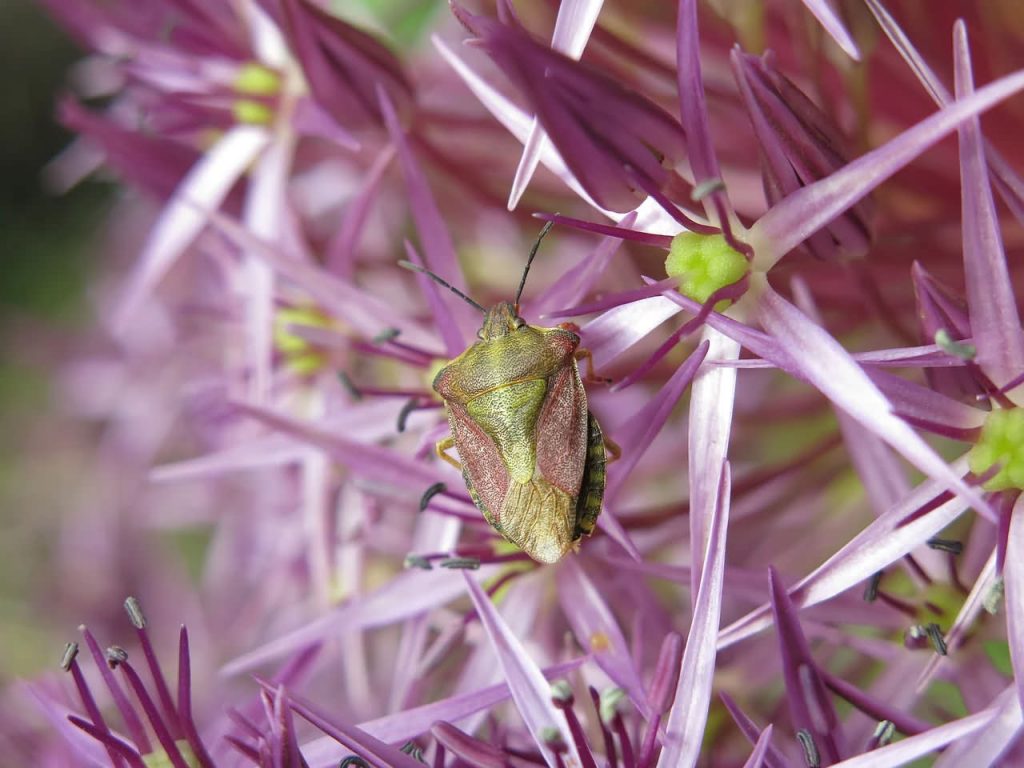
[(532, 454)]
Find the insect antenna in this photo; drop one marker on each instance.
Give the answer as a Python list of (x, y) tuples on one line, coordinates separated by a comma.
[(529, 261), (422, 270)]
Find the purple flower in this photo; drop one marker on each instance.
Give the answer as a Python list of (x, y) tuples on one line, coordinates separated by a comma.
[(804, 298)]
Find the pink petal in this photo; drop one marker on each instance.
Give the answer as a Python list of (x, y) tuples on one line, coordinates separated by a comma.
[(575, 20), (640, 430), (828, 18), (684, 732), (515, 121), (711, 407), (436, 242), (969, 611), (807, 210), (597, 631), (530, 691), (409, 594), (826, 365), (995, 323), (760, 749), (1008, 181), (366, 313), (1013, 575), (325, 752), (618, 329), (881, 543), (902, 752), (987, 746), (204, 187)]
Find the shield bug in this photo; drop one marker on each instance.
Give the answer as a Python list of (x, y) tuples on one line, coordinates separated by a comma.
[(532, 454)]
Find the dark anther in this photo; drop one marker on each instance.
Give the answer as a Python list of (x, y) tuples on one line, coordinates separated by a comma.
[(350, 386), (430, 493), (938, 641), (947, 545), (561, 694), (413, 750), (411, 405), (811, 756), (135, 614), (386, 335), (68, 657), (871, 590), (418, 561), (705, 188), (461, 563), (116, 655), (884, 732), (354, 762)]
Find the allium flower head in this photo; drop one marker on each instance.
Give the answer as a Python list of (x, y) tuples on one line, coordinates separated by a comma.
[(797, 305)]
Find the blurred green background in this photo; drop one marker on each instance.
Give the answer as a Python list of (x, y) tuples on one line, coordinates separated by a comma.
[(46, 244)]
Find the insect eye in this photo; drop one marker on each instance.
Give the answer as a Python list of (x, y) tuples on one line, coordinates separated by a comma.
[(520, 324)]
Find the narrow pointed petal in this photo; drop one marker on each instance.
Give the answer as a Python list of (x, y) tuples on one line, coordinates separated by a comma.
[(881, 543), (810, 703), (205, 186), (903, 752), (826, 365), (578, 281), (344, 66), (827, 17), (711, 409), (597, 631), (515, 120), (684, 732), (436, 242), (636, 437), (693, 108), (371, 461), (757, 757), (575, 21), (988, 745), (365, 312), (154, 163), (995, 323), (410, 723), (409, 594), (353, 737), (939, 309), (772, 757), (1013, 574), (530, 691), (618, 329), (964, 621), (440, 310), (1008, 181), (614, 139), (803, 213)]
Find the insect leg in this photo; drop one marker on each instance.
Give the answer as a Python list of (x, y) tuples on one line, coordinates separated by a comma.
[(613, 449), (441, 448), (584, 354)]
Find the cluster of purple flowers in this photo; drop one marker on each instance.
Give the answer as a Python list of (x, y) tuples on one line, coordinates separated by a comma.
[(777, 232)]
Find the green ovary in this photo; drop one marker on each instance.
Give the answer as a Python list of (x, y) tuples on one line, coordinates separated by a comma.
[(704, 264), (1002, 443)]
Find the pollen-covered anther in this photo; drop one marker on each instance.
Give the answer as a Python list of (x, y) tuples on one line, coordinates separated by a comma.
[(704, 264), (1001, 444)]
